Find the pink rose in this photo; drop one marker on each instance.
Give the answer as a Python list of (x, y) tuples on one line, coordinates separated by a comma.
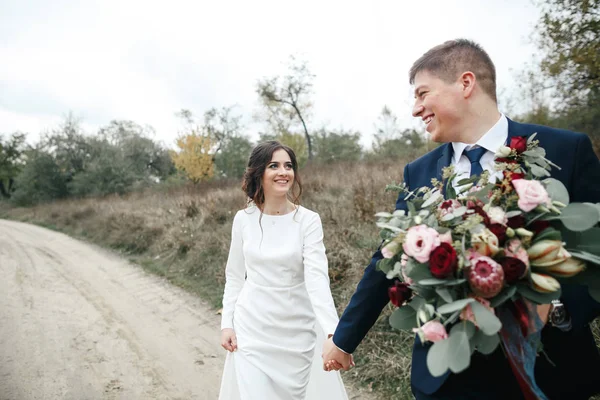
[(446, 237), (531, 194), (467, 313), (432, 331), (497, 216), (420, 240), (515, 249)]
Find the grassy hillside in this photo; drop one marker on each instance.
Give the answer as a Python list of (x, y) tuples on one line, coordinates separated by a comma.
[(183, 234)]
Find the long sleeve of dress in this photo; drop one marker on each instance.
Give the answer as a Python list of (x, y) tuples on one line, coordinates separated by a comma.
[(235, 273), (316, 275)]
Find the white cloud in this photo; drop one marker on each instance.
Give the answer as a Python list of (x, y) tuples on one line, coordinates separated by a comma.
[(144, 60)]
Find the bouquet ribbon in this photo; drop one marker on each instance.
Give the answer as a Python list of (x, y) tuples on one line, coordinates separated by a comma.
[(520, 335)]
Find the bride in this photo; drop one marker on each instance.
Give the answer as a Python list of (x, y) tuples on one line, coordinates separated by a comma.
[(277, 304)]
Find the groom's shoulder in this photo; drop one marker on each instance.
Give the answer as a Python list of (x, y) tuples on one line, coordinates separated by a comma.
[(544, 133), (428, 158)]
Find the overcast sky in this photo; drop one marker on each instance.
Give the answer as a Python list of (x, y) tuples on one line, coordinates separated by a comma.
[(145, 60)]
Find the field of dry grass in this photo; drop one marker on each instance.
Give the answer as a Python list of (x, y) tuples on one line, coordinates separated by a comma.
[(183, 234)]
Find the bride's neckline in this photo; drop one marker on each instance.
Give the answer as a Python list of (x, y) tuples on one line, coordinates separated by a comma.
[(281, 215)]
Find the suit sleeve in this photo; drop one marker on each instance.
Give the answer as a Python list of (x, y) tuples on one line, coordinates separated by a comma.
[(585, 188), (368, 301)]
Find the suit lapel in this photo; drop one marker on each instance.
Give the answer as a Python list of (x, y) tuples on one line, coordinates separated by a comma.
[(444, 160)]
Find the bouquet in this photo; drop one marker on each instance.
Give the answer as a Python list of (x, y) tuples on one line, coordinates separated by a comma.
[(473, 263)]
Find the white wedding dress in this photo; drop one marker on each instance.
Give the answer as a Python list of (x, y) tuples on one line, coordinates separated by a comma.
[(278, 301)]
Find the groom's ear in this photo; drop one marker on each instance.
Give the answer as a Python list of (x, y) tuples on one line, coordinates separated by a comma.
[(467, 81)]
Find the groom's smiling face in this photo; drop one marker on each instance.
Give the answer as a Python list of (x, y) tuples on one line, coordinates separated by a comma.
[(439, 104)]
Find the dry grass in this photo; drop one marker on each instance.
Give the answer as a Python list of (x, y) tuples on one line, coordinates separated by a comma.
[(183, 234)]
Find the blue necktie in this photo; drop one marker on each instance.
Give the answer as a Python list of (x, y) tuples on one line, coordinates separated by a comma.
[(474, 156)]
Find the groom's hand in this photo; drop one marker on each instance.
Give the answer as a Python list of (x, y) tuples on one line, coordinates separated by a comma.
[(334, 358)]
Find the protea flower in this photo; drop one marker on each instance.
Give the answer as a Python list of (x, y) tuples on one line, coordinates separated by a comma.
[(486, 277)]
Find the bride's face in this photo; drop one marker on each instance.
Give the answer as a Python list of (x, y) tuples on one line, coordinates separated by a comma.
[(279, 175)]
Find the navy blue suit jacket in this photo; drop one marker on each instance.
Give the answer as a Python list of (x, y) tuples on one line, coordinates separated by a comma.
[(580, 174)]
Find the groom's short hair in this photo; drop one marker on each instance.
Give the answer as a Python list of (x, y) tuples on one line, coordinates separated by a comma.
[(450, 59)]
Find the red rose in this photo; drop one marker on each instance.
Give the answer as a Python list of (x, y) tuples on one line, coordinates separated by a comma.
[(500, 231), (519, 143), (514, 269), (518, 221), (399, 293), (443, 261), (513, 175), (538, 226)]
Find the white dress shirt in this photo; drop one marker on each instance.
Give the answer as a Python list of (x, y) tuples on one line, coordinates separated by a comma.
[(491, 141)]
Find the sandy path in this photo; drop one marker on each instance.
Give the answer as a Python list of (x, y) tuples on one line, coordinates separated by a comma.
[(78, 322)]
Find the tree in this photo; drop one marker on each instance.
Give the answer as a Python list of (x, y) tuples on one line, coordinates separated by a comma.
[(340, 145), (232, 159), (393, 142), (295, 141), (286, 100), (142, 154), (569, 36), (11, 161), (40, 180), (194, 157), (69, 147)]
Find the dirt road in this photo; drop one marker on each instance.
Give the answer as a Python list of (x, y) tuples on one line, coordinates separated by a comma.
[(78, 322)]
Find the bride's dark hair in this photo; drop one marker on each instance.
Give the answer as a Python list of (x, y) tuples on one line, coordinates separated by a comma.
[(260, 157)]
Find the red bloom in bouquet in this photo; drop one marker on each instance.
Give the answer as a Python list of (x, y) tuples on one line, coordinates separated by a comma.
[(518, 143), (443, 261), (399, 293), (514, 269)]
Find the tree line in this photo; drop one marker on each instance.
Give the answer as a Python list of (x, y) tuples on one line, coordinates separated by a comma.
[(560, 88)]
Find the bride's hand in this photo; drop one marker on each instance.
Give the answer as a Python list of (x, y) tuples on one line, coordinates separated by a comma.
[(228, 339)]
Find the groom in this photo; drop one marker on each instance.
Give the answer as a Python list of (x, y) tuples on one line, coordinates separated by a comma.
[(455, 96)]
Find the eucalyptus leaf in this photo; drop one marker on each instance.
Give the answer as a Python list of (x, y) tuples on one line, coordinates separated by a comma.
[(459, 352), (584, 255), (455, 306), (404, 318), (538, 171), (416, 303), (417, 271), (548, 234), (504, 295), (383, 215), (514, 213), (435, 196), (465, 326), (531, 137), (578, 216), (588, 241), (437, 358), (445, 294), (485, 344), (486, 320), (537, 297), (557, 190)]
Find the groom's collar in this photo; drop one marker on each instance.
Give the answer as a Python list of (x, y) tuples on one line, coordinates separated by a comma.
[(491, 141), (445, 159)]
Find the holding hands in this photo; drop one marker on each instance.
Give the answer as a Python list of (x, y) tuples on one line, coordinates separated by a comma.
[(335, 359)]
